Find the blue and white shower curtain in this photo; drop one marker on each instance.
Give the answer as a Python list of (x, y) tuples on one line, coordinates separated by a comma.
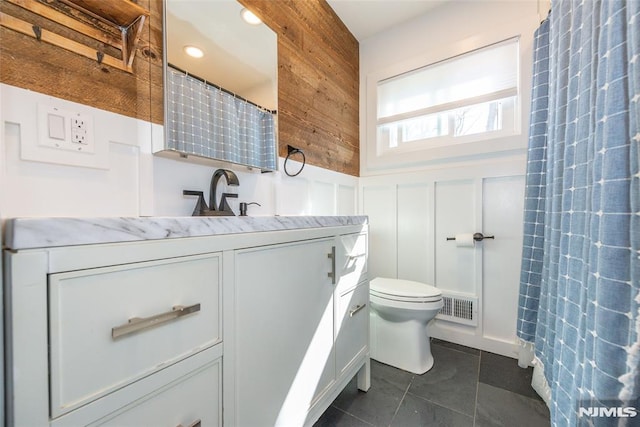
[(208, 122), (580, 278)]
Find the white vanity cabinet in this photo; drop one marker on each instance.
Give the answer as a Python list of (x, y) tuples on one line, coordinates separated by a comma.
[(284, 331), (243, 328), (96, 320), (301, 328), (114, 344), (352, 302), (352, 317)]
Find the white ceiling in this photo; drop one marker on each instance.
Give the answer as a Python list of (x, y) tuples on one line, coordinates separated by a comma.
[(365, 18), (241, 58)]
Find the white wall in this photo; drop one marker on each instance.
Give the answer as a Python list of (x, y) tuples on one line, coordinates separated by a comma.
[(414, 207), (450, 29), (135, 182)]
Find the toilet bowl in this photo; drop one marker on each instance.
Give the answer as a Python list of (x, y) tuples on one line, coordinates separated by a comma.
[(400, 311)]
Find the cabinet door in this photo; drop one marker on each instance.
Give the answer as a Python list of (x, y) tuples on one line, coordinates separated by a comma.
[(284, 331), (351, 261), (352, 326)]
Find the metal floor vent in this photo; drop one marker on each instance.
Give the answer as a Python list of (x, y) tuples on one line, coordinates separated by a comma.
[(459, 309)]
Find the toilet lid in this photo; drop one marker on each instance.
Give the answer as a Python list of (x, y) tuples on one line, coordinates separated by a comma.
[(404, 289)]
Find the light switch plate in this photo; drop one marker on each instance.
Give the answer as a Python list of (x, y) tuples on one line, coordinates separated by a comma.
[(56, 126), (65, 136), (65, 130)]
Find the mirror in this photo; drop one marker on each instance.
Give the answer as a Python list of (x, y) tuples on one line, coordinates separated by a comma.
[(222, 104)]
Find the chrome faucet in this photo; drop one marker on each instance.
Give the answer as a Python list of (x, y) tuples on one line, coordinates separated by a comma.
[(232, 179)]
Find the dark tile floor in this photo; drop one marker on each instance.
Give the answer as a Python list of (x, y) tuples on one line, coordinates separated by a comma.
[(465, 387)]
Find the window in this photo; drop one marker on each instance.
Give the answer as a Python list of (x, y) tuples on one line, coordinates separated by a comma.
[(467, 98)]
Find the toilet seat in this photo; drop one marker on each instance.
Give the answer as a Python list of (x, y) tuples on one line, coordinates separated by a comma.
[(404, 290)]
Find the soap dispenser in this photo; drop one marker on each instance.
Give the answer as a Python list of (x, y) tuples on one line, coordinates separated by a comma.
[(244, 205)]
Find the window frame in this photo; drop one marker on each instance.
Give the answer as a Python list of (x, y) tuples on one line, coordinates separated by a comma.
[(509, 118), (375, 157)]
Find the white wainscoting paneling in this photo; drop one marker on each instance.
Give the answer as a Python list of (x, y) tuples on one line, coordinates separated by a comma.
[(411, 214), (347, 200), (502, 217), (379, 203), (415, 232), (455, 214)]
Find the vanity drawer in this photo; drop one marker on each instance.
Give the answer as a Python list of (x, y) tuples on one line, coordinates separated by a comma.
[(353, 261), (111, 326), (352, 326), (193, 401)]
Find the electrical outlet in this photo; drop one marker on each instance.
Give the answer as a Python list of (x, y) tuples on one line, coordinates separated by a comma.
[(79, 136), (82, 132), (65, 130), (77, 122), (65, 136)]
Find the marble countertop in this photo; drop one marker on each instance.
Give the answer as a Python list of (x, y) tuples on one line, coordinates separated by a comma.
[(30, 233)]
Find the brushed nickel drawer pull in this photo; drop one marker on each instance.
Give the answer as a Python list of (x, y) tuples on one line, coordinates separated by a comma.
[(196, 423), (137, 324), (332, 256), (356, 309)]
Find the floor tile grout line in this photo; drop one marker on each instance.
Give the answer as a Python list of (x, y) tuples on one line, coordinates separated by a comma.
[(455, 349), (401, 400), (354, 416), (511, 391), (475, 405), (439, 404)]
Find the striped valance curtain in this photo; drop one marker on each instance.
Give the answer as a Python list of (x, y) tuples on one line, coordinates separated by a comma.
[(205, 121)]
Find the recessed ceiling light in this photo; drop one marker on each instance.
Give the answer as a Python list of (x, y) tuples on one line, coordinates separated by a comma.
[(194, 51), (249, 17)]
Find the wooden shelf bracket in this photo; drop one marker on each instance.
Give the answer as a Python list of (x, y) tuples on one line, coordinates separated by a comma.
[(127, 17)]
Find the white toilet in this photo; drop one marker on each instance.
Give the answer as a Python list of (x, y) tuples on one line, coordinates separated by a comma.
[(400, 311)]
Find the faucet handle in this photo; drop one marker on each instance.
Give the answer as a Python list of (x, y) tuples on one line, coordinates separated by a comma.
[(224, 206), (201, 205), (243, 207)]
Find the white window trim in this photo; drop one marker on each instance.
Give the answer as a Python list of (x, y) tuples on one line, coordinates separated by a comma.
[(440, 108), (378, 157), (449, 140)]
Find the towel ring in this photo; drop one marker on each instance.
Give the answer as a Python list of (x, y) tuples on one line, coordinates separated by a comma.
[(293, 150)]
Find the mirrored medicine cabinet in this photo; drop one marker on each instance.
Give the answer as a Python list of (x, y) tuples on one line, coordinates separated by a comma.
[(222, 105)]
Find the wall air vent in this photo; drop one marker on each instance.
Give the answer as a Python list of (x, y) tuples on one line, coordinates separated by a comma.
[(459, 308)]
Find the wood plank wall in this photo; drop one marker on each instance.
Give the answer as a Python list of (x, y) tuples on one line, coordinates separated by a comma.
[(318, 75), (27, 63)]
